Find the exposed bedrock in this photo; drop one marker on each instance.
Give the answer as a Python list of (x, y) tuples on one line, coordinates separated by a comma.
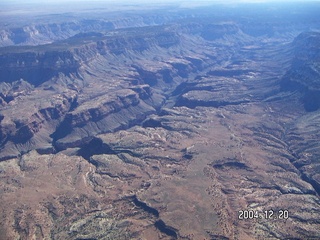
[(40, 63), (42, 33), (304, 74), (21, 133), (106, 113), (36, 68), (215, 31), (207, 99), (303, 139), (58, 120), (160, 132), (62, 72)]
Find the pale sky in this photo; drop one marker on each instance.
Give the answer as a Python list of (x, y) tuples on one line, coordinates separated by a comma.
[(159, 1), (147, 2), (13, 5)]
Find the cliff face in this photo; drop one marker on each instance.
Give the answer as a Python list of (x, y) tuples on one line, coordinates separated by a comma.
[(161, 132), (39, 64), (67, 113), (36, 68), (106, 113), (47, 31), (304, 74), (138, 66), (28, 122)]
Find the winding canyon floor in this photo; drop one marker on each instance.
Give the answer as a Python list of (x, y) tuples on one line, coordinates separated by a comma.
[(177, 125)]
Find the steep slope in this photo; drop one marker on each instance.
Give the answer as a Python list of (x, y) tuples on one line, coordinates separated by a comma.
[(304, 73), (43, 29), (102, 81), (191, 130), (304, 77)]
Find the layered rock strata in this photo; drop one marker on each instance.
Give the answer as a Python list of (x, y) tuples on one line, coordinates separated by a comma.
[(167, 132)]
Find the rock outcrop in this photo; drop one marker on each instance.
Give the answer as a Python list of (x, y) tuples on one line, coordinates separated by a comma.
[(304, 74), (203, 128)]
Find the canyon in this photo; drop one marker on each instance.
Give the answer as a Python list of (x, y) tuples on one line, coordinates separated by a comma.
[(163, 123)]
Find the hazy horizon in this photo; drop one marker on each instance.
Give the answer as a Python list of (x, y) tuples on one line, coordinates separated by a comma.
[(155, 1)]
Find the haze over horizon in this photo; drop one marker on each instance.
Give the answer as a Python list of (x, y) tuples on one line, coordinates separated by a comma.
[(159, 1), (10, 7)]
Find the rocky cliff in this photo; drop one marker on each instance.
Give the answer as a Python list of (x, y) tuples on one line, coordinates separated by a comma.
[(60, 71), (43, 29), (304, 73), (163, 132)]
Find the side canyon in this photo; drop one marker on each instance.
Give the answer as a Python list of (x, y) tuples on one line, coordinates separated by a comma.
[(161, 124)]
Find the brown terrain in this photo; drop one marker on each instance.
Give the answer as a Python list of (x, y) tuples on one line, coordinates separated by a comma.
[(161, 126)]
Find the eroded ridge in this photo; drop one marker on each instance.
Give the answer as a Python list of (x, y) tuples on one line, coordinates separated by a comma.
[(167, 127)]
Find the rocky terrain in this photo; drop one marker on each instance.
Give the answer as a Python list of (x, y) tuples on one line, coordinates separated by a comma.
[(173, 125)]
